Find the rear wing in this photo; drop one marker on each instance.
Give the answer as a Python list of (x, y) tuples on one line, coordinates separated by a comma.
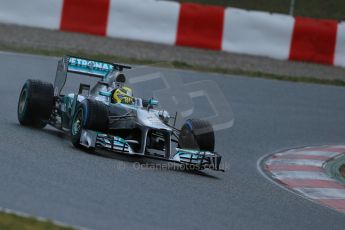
[(83, 66)]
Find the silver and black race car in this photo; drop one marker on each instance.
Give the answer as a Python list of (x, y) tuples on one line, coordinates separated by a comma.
[(94, 120)]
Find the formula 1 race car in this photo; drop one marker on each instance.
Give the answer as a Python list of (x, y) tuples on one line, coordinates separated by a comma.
[(107, 116)]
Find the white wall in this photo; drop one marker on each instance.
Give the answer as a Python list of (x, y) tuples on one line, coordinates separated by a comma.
[(257, 33), (339, 58), (145, 20), (37, 13)]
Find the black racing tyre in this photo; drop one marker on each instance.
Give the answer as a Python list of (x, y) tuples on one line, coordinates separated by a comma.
[(36, 103), (197, 134), (89, 114)]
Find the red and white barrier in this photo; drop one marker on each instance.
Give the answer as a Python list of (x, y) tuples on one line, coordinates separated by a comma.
[(211, 27)]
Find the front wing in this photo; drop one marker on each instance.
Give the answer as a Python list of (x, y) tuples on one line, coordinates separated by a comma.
[(192, 159)]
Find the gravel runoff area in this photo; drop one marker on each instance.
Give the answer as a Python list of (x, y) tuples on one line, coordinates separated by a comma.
[(20, 37)]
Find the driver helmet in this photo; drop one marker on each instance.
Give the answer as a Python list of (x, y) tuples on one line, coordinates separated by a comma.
[(123, 95)]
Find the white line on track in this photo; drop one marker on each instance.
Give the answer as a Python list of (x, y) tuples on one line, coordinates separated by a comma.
[(301, 175), (310, 153), (322, 193), (306, 162)]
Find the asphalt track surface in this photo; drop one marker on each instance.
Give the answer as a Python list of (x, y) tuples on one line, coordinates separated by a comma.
[(42, 174)]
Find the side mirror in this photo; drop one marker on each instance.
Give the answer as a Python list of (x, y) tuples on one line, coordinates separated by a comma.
[(105, 93), (153, 102)]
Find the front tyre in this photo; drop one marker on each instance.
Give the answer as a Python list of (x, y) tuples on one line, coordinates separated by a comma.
[(36, 103), (197, 134), (89, 114)]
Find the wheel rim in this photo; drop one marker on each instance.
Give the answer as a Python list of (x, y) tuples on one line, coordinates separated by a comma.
[(22, 101), (77, 122)]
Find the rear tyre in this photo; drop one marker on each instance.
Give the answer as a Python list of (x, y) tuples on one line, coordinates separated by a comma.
[(89, 114), (197, 134), (36, 103)]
